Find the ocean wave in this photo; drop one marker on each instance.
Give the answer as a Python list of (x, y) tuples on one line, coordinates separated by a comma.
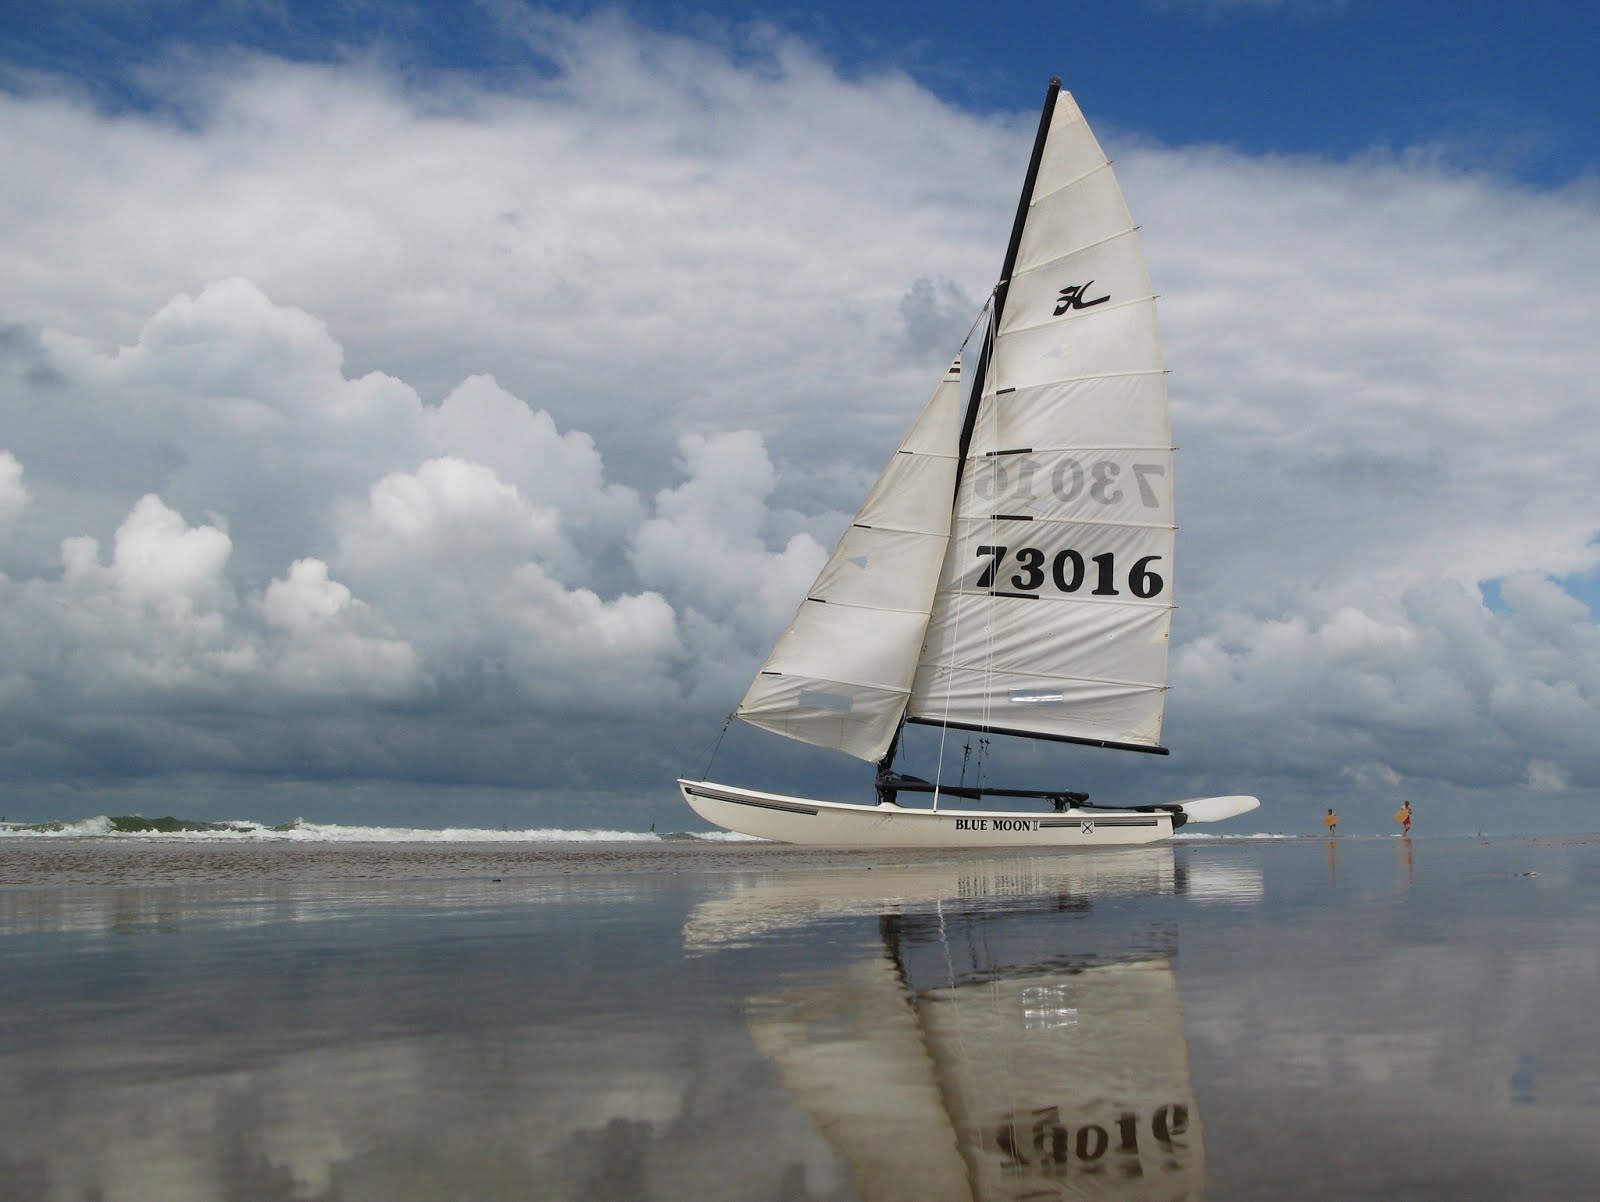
[(134, 826)]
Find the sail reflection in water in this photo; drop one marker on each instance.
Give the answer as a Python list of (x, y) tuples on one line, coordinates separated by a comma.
[(1004, 1043)]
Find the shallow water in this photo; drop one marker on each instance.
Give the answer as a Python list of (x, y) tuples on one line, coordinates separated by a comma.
[(1362, 1019)]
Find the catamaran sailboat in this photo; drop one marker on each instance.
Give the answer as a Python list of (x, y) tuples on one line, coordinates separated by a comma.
[(1011, 570)]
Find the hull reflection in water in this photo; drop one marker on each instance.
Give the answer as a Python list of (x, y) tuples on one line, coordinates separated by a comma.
[(753, 909), (1001, 1046)]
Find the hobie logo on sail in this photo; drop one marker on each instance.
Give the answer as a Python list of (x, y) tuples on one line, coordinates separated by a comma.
[(1072, 298)]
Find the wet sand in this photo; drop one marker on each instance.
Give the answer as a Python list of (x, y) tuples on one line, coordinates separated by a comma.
[(1324, 1019)]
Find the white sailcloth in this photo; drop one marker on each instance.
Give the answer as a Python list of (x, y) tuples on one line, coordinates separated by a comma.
[(1054, 604), (1035, 598), (840, 674)]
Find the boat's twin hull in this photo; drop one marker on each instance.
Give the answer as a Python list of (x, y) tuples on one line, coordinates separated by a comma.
[(840, 824)]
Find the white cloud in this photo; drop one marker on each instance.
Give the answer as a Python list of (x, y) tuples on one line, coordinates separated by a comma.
[(706, 541), (13, 493), (155, 615), (494, 405), (327, 641)]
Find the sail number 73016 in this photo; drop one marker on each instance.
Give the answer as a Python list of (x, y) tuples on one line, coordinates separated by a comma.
[(1068, 571)]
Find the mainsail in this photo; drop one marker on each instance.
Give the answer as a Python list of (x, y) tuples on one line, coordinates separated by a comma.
[(1054, 606), (1011, 571)]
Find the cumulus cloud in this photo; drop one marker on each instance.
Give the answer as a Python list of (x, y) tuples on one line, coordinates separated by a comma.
[(705, 541), (360, 550), (420, 432)]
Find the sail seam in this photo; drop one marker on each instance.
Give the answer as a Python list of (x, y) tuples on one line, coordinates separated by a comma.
[(1076, 250), (1070, 520), (1057, 677), (1069, 599), (877, 609), (1098, 375), (1064, 448), (1103, 165), (866, 685), (1098, 311)]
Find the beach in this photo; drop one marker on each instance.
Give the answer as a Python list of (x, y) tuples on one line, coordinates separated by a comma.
[(1361, 1018)]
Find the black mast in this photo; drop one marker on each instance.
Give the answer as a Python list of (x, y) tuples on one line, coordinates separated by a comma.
[(888, 780), (969, 420)]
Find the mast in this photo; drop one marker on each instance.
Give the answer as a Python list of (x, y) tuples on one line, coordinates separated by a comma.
[(975, 395), (970, 420)]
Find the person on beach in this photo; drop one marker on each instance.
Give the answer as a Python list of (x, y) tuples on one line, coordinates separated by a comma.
[(1403, 817), (1331, 822)]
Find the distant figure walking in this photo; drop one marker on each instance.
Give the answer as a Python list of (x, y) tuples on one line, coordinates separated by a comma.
[(1331, 822), (1403, 817)]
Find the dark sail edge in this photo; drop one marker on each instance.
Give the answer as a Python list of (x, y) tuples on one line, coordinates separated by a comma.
[(970, 418), (989, 729)]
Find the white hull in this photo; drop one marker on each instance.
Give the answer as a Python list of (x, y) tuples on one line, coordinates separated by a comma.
[(841, 824)]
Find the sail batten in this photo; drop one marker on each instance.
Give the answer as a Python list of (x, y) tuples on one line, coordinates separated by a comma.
[(1080, 740)]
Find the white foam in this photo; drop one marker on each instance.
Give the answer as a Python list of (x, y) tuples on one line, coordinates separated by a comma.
[(322, 832)]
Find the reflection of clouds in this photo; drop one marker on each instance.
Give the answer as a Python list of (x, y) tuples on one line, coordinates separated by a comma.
[(1447, 1037), (384, 1040), (1444, 1018), (1375, 1058), (164, 908), (570, 1111), (1224, 880)]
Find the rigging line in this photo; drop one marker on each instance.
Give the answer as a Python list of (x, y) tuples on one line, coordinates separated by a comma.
[(992, 421), (974, 411), (964, 1061), (960, 600), (717, 746), (978, 317)]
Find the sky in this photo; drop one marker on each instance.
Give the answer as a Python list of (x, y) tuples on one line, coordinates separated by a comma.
[(429, 415)]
